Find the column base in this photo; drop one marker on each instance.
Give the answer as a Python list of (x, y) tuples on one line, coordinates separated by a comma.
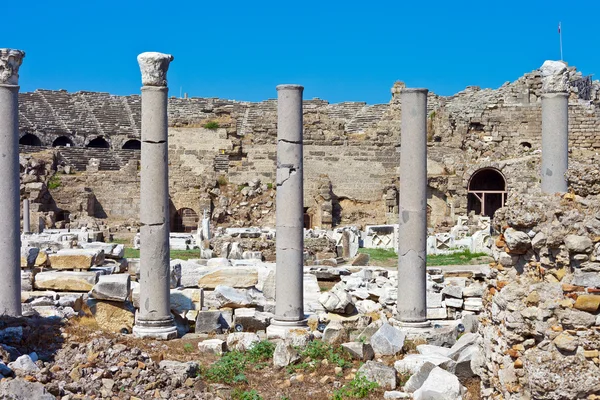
[(280, 329), (161, 330), (415, 324)]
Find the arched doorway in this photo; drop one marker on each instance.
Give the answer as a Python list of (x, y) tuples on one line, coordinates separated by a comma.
[(132, 144), (30, 140), (486, 192), (99, 142), (62, 141), (185, 220)]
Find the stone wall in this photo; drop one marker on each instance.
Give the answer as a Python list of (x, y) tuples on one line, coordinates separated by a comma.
[(354, 144)]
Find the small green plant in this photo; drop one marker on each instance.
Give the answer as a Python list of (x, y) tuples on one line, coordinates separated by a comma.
[(212, 125), (358, 388), (54, 182), (238, 394), (228, 369), (241, 187), (261, 351), (269, 186), (318, 350), (188, 348)]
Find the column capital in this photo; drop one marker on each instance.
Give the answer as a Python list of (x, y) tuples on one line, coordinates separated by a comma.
[(154, 67), (289, 86), (10, 61), (555, 77)]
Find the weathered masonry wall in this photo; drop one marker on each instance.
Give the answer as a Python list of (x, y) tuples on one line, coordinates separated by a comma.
[(353, 145)]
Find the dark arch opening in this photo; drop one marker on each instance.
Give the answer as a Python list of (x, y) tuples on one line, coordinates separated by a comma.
[(99, 142), (185, 220), (526, 145), (62, 141), (132, 144), (30, 140), (486, 192)]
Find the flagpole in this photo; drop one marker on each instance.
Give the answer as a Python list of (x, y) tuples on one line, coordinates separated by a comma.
[(560, 38)]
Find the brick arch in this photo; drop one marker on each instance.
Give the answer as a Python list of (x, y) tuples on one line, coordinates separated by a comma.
[(469, 172)]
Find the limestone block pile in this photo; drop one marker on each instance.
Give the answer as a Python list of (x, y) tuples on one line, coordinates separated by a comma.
[(541, 321), (373, 290)]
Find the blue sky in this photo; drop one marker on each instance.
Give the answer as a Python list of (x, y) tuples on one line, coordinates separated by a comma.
[(339, 50)]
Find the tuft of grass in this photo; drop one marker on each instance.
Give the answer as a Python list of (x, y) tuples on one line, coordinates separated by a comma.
[(212, 125), (54, 182), (358, 388), (188, 348), (269, 186), (460, 257), (379, 254), (222, 181)]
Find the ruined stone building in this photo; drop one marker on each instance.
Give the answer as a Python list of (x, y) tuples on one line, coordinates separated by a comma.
[(483, 146)]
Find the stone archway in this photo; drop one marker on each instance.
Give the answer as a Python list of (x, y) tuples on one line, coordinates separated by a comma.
[(62, 141), (185, 220), (98, 142), (486, 192), (132, 144), (30, 140)]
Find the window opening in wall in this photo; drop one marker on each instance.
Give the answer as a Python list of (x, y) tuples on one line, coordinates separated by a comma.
[(486, 192), (526, 145), (30, 140)]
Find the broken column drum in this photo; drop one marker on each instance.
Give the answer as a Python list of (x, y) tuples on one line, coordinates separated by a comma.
[(26, 220), (555, 141), (412, 256), (10, 224), (289, 295), (154, 317)]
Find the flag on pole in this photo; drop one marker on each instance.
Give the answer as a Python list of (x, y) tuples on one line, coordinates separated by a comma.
[(559, 27)]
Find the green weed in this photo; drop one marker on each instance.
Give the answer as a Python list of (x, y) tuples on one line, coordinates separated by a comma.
[(212, 125), (358, 388), (54, 182)]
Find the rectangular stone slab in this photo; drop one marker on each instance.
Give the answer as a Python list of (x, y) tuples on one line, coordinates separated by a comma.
[(76, 259), (69, 281)]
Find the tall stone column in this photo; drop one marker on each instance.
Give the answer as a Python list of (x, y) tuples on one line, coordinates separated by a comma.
[(412, 255), (289, 281), (555, 141), (10, 224), (154, 317), (26, 217)]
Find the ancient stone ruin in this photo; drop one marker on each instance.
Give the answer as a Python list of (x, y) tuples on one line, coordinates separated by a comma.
[(276, 201)]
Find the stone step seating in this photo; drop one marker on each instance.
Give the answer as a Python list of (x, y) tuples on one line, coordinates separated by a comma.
[(23, 149), (366, 118), (110, 160), (221, 163), (345, 111)]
